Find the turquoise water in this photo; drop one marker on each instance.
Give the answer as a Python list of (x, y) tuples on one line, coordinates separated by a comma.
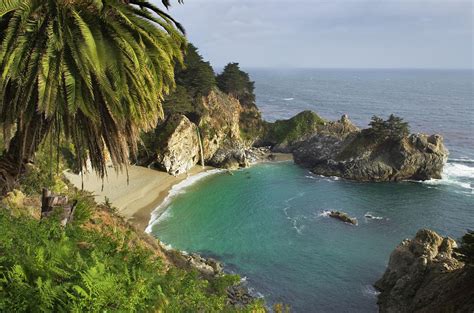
[(268, 222)]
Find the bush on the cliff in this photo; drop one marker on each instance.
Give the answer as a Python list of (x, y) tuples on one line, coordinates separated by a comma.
[(392, 128), (466, 249), (236, 83)]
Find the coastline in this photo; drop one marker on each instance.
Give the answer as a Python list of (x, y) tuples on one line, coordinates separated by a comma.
[(147, 190)]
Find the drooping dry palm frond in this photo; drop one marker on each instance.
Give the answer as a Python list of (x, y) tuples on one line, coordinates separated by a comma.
[(95, 70)]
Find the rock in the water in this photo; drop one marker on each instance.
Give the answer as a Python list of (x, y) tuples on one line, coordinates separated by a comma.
[(423, 276), (178, 149), (340, 149), (343, 217)]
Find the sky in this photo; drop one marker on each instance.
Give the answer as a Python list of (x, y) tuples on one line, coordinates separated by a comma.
[(331, 33)]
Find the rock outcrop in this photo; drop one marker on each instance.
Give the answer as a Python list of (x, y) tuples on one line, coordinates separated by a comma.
[(424, 276), (178, 149), (221, 128), (341, 149), (343, 217)]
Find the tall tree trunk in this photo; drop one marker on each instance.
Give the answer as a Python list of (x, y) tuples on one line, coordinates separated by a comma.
[(21, 150)]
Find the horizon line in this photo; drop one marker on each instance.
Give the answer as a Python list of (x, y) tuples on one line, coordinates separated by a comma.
[(351, 68)]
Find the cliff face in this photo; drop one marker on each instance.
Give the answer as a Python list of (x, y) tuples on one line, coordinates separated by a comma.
[(222, 128), (179, 148), (423, 276), (341, 149)]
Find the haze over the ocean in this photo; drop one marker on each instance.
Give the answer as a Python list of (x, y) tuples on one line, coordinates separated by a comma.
[(331, 33)]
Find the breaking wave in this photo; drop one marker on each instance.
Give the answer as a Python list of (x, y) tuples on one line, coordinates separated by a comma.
[(161, 212), (457, 174)]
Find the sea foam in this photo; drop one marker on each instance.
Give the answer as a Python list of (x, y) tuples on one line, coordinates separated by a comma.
[(456, 173), (161, 212)]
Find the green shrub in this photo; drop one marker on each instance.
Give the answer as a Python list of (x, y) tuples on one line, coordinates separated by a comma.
[(466, 249)]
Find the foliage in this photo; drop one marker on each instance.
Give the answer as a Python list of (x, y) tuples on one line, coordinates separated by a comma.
[(45, 268), (236, 83), (196, 75), (284, 131), (44, 172), (392, 128), (466, 249), (281, 308), (194, 79), (95, 71)]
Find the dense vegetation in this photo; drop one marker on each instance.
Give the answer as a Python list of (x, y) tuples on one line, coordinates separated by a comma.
[(236, 83), (393, 128), (194, 79), (93, 71)]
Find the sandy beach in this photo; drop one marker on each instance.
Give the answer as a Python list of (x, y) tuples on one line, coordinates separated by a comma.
[(147, 188)]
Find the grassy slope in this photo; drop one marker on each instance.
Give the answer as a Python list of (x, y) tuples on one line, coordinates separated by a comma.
[(98, 263)]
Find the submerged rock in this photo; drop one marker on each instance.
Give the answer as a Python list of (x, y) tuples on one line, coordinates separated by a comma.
[(343, 217), (423, 276)]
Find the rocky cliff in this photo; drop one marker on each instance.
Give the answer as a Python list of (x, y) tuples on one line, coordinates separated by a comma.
[(424, 276), (341, 149), (220, 132), (223, 131)]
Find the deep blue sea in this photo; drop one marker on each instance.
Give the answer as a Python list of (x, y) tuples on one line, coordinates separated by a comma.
[(269, 222)]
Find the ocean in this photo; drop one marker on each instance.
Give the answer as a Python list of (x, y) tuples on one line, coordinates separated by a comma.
[(269, 222)]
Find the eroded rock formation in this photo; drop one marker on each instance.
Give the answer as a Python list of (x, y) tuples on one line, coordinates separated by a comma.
[(341, 149), (424, 276)]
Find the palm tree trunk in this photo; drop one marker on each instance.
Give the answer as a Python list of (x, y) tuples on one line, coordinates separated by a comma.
[(21, 150)]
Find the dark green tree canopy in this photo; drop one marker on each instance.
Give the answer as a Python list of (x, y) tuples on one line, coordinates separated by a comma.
[(196, 75), (194, 79), (236, 83), (94, 70), (393, 128)]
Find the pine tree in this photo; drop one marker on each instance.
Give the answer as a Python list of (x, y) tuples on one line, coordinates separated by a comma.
[(236, 83)]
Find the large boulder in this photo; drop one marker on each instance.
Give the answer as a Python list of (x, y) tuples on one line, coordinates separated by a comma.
[(178, 150), (424, 276), (340, 149)]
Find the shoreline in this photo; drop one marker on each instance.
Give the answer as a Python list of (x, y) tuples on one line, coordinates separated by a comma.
[(147, 190)]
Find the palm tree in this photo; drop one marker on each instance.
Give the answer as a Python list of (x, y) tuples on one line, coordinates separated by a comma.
[(94, 71)]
